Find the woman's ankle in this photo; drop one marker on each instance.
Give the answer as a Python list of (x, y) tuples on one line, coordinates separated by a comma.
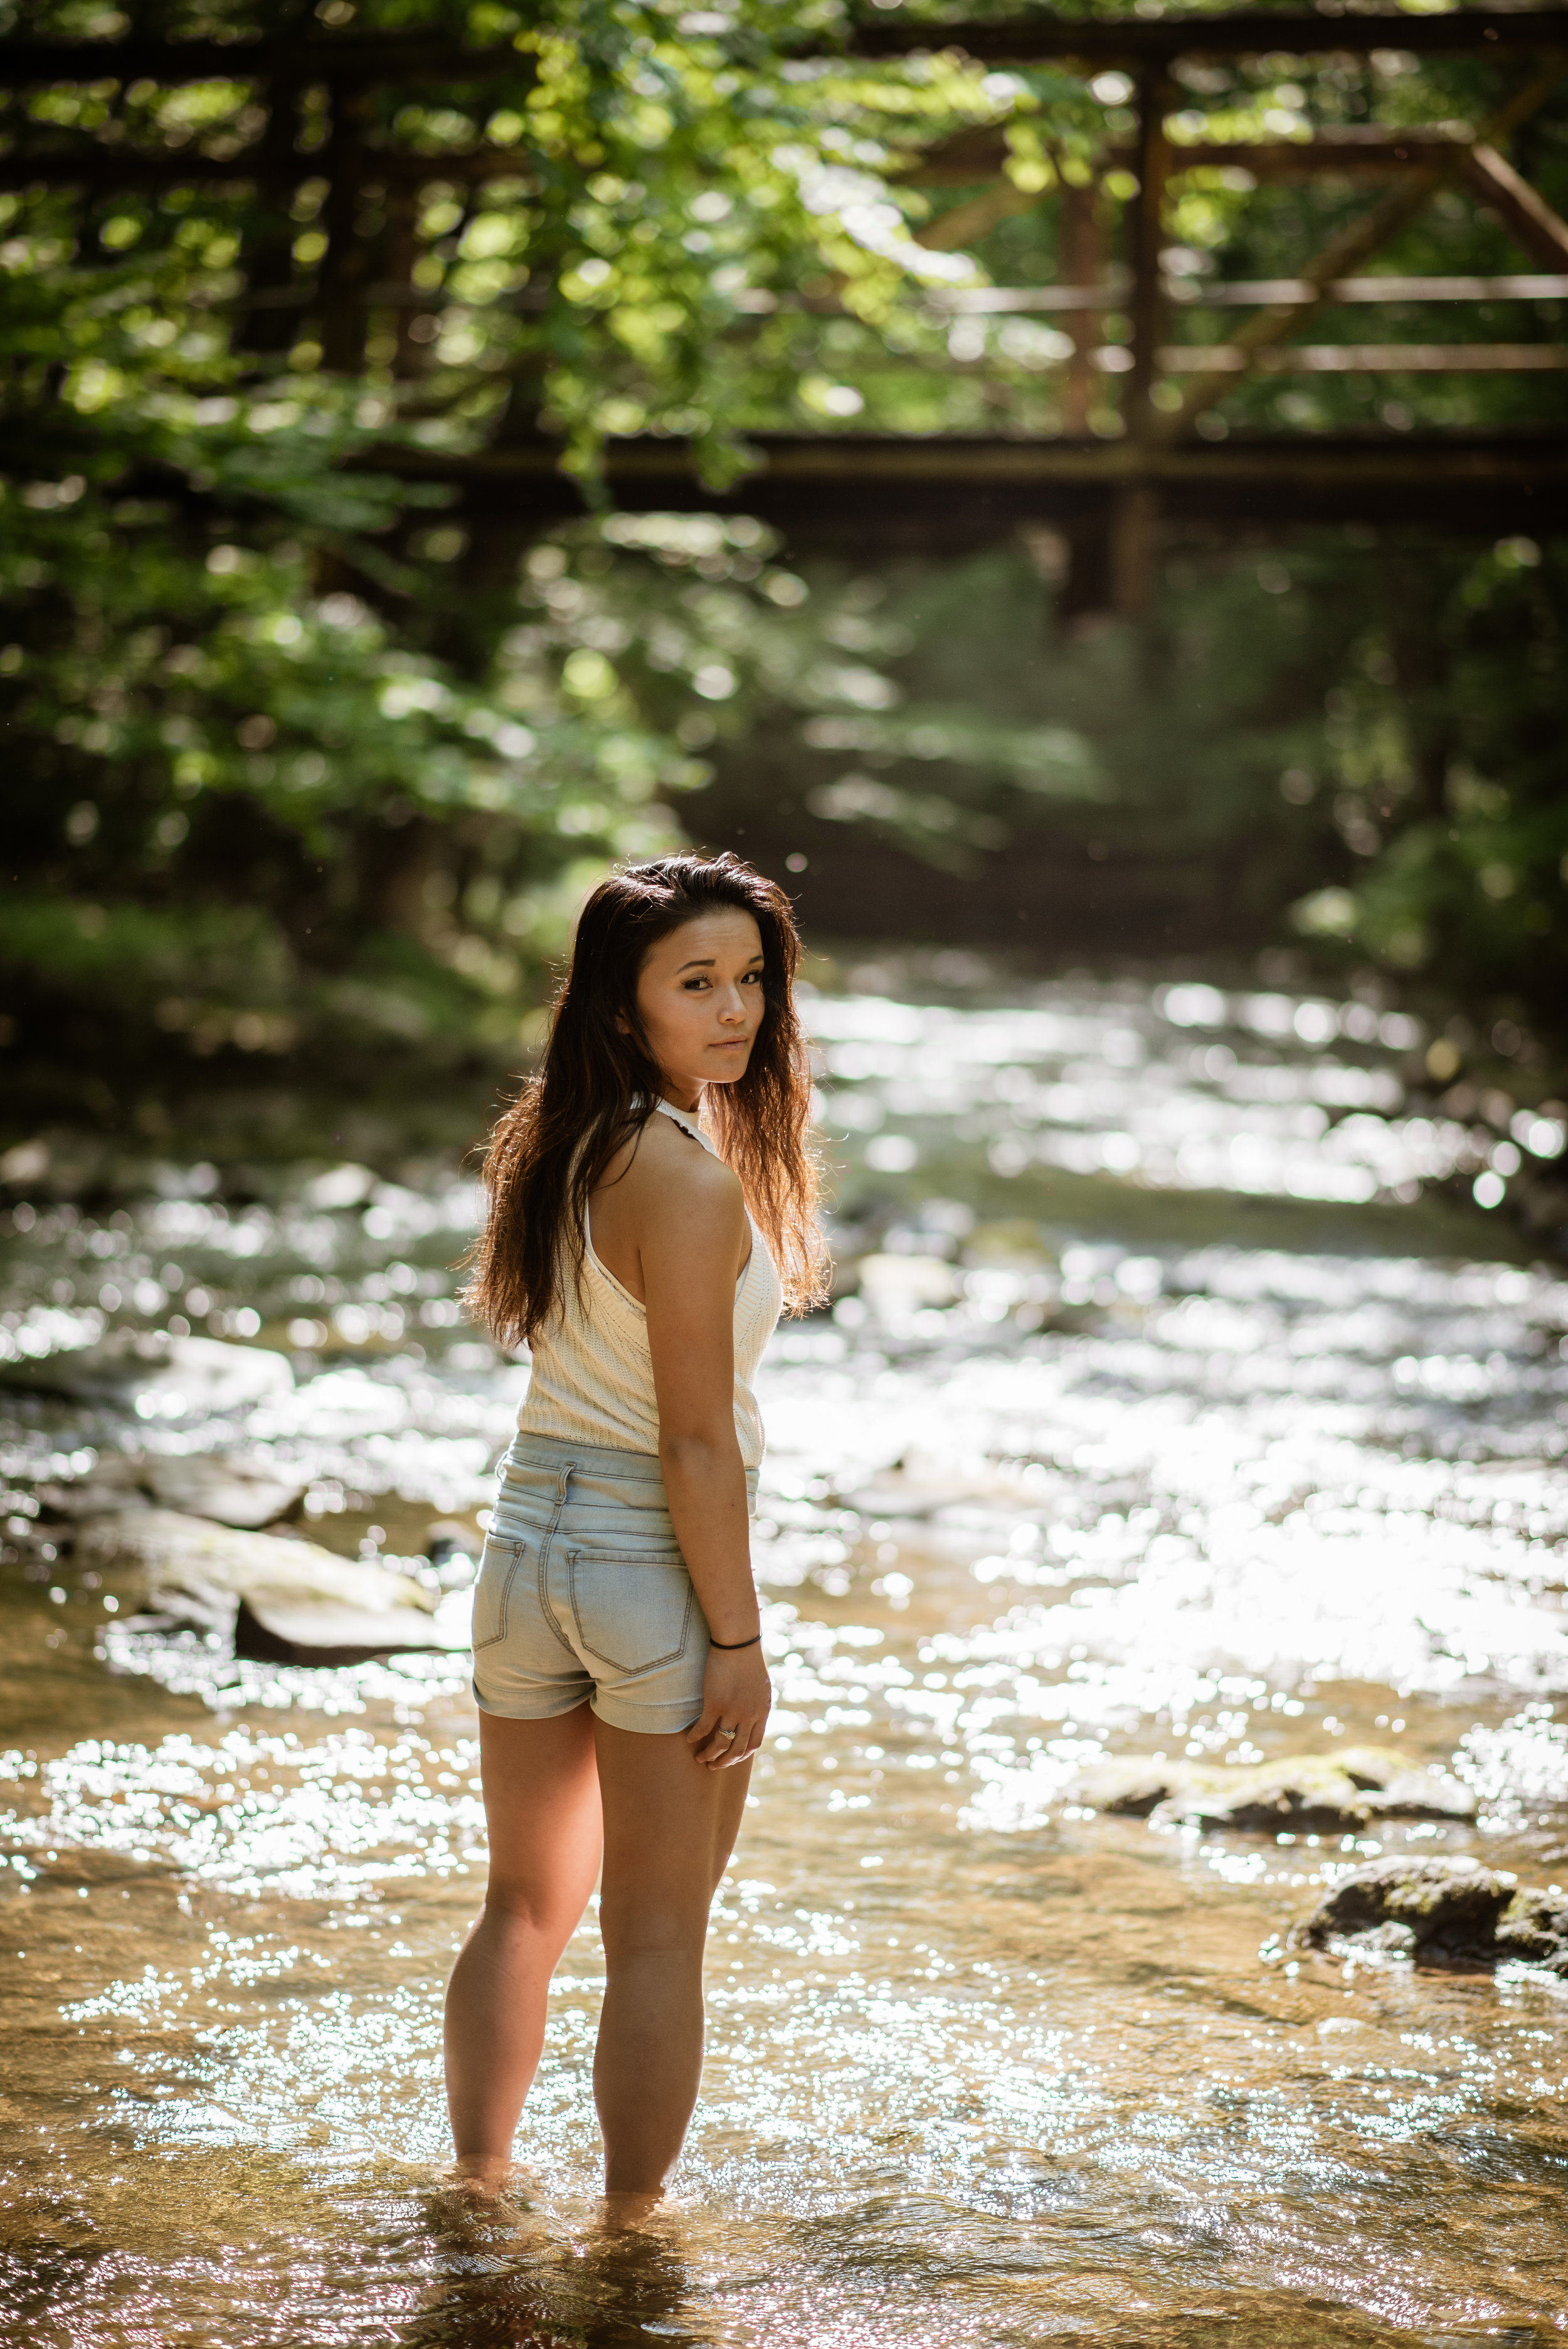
[(481, 2174), (630, 2206)]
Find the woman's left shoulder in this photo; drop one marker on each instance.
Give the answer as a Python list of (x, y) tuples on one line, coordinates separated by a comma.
[(676, 1177)]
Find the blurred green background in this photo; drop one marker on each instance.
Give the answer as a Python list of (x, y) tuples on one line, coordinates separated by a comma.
[(310, 754)]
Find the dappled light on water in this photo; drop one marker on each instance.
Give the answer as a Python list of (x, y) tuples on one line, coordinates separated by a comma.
[(1090, 1503)]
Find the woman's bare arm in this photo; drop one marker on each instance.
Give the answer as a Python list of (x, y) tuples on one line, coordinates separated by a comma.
[(691, 1234)]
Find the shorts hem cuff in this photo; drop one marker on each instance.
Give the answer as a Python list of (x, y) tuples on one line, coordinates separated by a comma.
[(531, 1713), (643, 1720)]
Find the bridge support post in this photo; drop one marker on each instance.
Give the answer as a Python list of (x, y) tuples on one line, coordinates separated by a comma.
[(1135, 509), (1134, 541)]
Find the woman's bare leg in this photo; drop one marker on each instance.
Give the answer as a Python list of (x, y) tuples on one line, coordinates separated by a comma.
[(669, 1827), (541, 1801)]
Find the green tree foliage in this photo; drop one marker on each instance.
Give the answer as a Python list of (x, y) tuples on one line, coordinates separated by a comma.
[(296, 765), (1442, 760), (1304, 744), (313, 737)]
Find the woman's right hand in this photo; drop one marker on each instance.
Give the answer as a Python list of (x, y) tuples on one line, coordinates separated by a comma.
[(738, 1694)]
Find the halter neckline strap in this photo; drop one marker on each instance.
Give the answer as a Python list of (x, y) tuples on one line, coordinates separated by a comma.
[(687, 1121)]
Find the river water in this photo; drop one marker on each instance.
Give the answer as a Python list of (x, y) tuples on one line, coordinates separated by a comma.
[(1164, 1412)]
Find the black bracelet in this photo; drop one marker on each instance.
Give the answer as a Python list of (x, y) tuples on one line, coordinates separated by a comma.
[(731, 1645)]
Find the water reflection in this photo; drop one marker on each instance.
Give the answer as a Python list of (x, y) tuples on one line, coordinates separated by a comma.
[(1086, 1470), (503, 2275)]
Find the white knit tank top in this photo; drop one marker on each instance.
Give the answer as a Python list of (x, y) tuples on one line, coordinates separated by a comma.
[(592, 1375)]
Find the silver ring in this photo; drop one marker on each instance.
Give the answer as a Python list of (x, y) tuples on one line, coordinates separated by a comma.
[(726, 1733)]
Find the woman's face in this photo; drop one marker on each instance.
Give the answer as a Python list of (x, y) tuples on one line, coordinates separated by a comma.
[(699, 996)]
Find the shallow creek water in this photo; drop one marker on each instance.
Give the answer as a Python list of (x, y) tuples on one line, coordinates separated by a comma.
[(1161, 1415)]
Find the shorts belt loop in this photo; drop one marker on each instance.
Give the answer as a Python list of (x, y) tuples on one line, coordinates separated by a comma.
[(564, 1475)]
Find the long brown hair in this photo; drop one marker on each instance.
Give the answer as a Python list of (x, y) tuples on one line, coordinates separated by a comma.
[(598, 1081)]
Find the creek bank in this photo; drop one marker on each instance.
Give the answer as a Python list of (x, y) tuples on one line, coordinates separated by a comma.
[(1309, 1793), (1439, 1911)]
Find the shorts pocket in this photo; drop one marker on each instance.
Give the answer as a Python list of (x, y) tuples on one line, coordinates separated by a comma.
[(632, 1613), (499, 1562)]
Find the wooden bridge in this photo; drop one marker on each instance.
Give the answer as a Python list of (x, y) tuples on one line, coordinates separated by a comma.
[(1170, 456)]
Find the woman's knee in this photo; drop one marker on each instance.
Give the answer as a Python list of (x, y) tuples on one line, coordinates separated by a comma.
[(519, 1907), (632, 1928)]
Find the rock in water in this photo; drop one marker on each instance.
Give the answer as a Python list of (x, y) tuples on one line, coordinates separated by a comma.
[(1310, 1794), (224, 1485), (1535, 1928), (1423, 1795), (305, 1626), (453, 1550), (1439, 1909), (297, 1603), (186, 1566), (159, 1376), (230, 1487), (1124, 1789), (113, 1483)]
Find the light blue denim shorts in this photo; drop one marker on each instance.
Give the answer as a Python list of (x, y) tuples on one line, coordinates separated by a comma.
[(582, 1594)]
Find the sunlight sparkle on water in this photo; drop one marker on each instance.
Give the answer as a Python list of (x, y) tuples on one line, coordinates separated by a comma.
[(1080, 1472)]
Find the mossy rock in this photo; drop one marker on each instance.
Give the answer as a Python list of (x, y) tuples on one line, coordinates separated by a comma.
[(1314, 1794), (1309, 1793), (1535, 1928), (1441, 1910), (1129, 1789)]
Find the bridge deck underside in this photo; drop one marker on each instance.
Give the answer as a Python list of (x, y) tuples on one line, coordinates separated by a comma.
[(862, 495)]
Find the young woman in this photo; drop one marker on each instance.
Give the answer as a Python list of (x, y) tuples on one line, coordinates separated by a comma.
[(618, 1663)]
